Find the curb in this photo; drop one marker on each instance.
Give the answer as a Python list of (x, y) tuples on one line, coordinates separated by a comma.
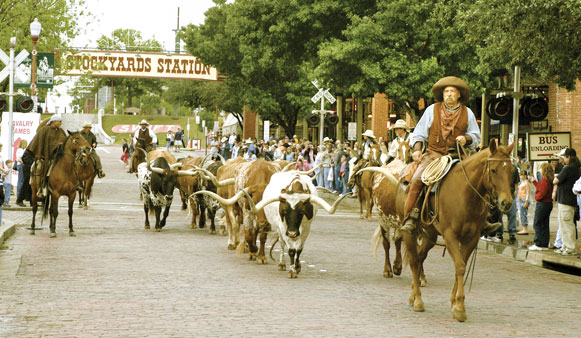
[(6, 230)]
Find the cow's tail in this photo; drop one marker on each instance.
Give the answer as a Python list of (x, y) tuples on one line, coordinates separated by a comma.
[(272, 247), (376, 239)]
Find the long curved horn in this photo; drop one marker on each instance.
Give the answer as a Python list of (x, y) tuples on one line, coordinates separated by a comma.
[(189, 172), (221, 199), (330, 208), (308, 172), (380, 170), (175, 166), (315, 176), (257, 207), (211, 177), (204, 160), (149, 167), (324, 189), (222, 159), (288, 166)]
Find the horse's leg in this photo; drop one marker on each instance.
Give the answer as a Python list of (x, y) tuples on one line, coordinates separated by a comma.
[(369, 205), (54, 212), (261, 259), (457, 295), (387, 272), (411, 244), (34, 204), (360, 197), (427, 244), (397, 263), (71, 205)]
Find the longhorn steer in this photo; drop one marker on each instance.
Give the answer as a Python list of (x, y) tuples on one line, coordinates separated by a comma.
[(156, 182), (364, 181), (290, 203)]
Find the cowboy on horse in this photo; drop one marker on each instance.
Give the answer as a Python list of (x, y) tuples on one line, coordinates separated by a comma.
[(443, 124), (401, 141), (92, 139), (44, 146), (146, 134)]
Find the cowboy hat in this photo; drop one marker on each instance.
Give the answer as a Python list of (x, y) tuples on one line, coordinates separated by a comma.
[(368, 133), (400, 124), (88, 125), (249, 141), (224, 139), (143, 122), (438, 88), (326, 139)]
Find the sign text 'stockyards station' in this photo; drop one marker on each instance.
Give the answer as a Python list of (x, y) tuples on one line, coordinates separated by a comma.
[(138, 65)]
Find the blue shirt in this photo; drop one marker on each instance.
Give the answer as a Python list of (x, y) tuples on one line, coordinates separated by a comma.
[(422, 129)]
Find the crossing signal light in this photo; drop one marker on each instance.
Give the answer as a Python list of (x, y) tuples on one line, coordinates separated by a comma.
[(313, 119), (331, 119), (534, 109), (24, 104), (531, 109)]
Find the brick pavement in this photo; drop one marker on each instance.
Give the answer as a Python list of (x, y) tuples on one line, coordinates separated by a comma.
[(117, 279)]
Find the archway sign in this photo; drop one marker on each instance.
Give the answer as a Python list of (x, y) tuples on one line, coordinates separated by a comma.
[(138, 65)]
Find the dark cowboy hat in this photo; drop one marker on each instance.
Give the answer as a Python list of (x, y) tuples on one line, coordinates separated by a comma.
[(438, 88)]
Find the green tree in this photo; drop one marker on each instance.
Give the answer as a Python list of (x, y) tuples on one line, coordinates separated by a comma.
[(540, 36), (268, 49)]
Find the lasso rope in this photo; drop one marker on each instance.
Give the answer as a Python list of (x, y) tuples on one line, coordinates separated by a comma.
[(436, 170)]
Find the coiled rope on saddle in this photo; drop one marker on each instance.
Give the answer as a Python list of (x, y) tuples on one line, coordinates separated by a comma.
[(436, 170)]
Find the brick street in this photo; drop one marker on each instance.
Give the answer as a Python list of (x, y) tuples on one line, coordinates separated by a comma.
[(117, 279)]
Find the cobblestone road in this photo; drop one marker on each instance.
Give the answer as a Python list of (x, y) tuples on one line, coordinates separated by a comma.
[(117, 279)]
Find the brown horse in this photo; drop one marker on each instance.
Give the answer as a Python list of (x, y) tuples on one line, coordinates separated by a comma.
[(138, 157), (62, 181), (460, 206), (87, 175)]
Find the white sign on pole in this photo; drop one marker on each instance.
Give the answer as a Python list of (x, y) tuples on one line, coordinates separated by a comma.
[(266, 135), (329, 97), (198, 119), (352, 131), (317, 96), (18, 73), (543, 146)]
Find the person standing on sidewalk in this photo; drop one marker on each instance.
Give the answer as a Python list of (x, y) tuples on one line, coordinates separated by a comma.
[(566, 201), (544, 207), (524, 198)]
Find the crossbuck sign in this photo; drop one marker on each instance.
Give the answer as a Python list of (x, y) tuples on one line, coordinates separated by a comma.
[(322, 95), (18, 73)]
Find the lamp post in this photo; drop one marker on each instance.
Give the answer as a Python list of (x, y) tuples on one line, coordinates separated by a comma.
[(35, 28)]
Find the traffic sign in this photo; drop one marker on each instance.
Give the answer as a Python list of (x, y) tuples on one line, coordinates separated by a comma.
[(317, 96), (18, 73), (329, 97)]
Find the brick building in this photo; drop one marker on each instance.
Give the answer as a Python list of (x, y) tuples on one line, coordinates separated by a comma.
[(565, 112)]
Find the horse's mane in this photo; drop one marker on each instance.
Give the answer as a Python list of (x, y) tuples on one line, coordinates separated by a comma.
[(60, 150)]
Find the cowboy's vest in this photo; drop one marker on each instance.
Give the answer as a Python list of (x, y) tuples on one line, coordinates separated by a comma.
[(436, 142), (145, 135)]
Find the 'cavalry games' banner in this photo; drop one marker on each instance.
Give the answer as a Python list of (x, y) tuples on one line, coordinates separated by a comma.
[(25, 125), (138, 65)]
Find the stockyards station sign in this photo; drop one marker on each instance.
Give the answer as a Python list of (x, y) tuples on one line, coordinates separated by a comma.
[(138, 65), (544, 146)]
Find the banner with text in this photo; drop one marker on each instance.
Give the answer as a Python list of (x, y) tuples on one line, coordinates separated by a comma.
[(544, 146), (25, 125), (138, 65)]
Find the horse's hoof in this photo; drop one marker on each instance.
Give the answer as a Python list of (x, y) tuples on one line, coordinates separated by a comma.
[(146, 227), (212, 232), (459, 315), (231, 247), (72, 234), (387, 274), (397, 270), (32, 232), (52, 235), (419, 305), (292, 274), (261, 259), (282, 267), (157, 229)]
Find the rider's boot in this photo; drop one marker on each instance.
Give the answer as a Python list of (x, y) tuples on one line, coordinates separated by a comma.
[(411, 211)]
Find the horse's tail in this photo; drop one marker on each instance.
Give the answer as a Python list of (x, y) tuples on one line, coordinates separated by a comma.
[(45, 205)]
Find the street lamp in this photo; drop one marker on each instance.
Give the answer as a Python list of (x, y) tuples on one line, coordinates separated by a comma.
[(35, 28)]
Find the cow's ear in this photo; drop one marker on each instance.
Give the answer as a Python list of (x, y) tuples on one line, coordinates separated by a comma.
[(308, 209)]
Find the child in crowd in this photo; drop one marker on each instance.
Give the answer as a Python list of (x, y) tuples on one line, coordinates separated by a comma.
[(7, 178), (524, 198), (125, 150)]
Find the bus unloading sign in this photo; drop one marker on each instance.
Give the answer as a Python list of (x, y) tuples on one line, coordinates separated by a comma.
[(544, 146)]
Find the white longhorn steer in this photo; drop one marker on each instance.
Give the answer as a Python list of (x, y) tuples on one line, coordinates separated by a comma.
[(290, 202)]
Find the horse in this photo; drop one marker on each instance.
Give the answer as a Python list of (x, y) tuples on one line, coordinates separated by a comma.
[(364, 181), (62, 181), (138, 156), (459, 211), (87, 176)]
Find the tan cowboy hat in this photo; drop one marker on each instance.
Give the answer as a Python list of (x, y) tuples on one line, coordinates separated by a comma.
[(368, 133), (326, 139), (401, 124), (88, 125), (143, 122), (438, 88)]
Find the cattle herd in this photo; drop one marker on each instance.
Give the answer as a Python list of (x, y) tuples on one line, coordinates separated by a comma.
[(255, 196)]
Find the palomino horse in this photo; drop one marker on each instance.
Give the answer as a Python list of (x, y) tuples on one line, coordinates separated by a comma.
[(62, 181), (87, 175), (364, 181), (460, 208)]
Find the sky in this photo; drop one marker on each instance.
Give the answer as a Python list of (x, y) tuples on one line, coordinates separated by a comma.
[(154, 19)]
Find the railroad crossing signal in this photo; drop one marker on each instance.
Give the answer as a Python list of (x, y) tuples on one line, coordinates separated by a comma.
[(17, 61)]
